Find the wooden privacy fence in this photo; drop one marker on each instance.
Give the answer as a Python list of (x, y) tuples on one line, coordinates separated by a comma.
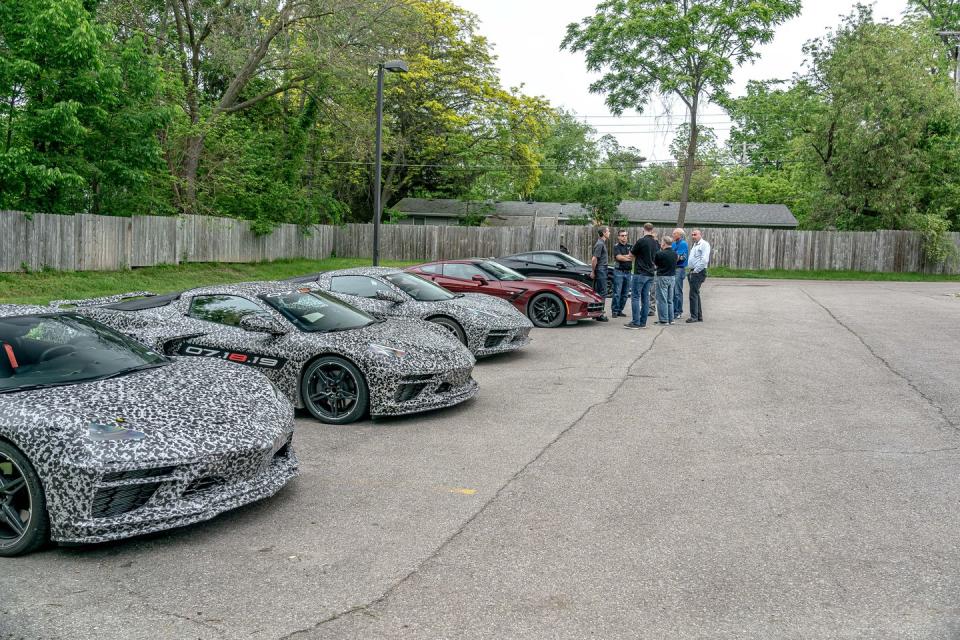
[(90, 243)]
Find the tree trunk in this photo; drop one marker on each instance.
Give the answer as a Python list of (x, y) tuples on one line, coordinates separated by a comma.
[(688, 168), (189, 168)]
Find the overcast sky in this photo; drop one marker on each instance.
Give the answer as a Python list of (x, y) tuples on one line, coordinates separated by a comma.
[(526, 36)]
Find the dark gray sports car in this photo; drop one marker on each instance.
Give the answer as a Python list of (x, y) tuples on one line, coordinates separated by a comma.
[(325, 355), (485, 324), (103, 438)]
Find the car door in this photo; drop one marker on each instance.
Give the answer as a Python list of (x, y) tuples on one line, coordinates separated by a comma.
[(467, 279), (361, 292), (219, 315)]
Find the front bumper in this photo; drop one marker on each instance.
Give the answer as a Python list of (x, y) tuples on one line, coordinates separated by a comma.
[(415, 393), (502, 341), (187, 493), (584, 310)]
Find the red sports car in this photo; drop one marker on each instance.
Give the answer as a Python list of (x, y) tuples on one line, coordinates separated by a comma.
[(548, 302)]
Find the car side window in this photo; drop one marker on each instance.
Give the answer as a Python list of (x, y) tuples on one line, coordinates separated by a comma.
[(433, 269), (523, 257), (545, 259), (363, 286), (223, 309), (463, 271)]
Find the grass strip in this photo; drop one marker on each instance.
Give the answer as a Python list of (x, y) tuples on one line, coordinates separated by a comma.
[(782, 274)]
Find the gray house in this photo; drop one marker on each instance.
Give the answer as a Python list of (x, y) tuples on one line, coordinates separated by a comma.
[(637, 212)]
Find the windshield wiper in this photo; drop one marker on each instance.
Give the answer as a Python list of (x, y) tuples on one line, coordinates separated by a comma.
[(123, 372)]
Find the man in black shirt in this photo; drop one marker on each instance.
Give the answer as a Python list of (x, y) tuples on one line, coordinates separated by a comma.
[(666, 261), (598, 266), (643, 273), (621, 274)]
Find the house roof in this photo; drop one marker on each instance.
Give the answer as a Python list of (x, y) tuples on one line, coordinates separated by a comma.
[(636, 211)]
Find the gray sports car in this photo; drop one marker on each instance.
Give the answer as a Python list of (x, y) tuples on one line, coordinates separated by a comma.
[(486, 325), (337, 361), (103, 438)]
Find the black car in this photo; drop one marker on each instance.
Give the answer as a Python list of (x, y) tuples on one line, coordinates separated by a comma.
[(554, 264)]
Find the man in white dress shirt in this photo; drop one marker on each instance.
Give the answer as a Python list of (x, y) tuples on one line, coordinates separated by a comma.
[(697, 264)]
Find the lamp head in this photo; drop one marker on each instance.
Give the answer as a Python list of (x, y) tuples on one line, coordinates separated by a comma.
[(396, 66)]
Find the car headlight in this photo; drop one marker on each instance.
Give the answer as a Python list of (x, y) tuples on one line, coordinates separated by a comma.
[(383, 350), (573, 292), (101, 432)]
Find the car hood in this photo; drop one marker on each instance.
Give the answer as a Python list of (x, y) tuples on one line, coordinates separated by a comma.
[(411, 334), (187, 410)]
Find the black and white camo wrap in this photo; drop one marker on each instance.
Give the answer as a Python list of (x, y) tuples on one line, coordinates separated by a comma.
[(431, 358), (214, 437), (490, 325)]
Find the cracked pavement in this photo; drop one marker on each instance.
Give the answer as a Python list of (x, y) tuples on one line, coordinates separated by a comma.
[(787, 469)]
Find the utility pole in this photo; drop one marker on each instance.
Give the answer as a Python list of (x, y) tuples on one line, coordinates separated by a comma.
[(953, 36)]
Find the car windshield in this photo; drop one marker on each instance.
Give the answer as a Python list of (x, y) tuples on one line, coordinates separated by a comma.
[(501, 272), (317, 311), (58, 349), (418, 288), (571, 259)]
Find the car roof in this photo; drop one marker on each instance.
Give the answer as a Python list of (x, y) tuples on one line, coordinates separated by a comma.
[(246, 289)]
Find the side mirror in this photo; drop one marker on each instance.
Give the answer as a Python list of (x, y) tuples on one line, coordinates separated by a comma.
[(388, 296), (262, 323), (480, 280), (560, 265)]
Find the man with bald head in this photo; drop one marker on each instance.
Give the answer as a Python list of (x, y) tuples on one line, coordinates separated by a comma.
[(697, 264)]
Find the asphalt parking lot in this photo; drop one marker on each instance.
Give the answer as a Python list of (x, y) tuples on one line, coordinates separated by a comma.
[(790, 468)]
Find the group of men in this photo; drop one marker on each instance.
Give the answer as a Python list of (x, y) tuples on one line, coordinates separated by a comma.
[(651, 264)]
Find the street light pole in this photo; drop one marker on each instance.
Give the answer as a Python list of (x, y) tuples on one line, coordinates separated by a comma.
[(394, 66)]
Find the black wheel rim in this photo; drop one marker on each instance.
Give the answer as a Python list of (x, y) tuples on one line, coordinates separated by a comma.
[(546, 310), (332, 390), (15, 501)]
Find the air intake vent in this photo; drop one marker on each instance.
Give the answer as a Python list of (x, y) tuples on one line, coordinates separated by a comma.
[(114, 501), (202, 485), (138, 474)]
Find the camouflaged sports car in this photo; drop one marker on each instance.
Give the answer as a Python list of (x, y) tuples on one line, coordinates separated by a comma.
[(337, 361), (486, 325), (102, 438)]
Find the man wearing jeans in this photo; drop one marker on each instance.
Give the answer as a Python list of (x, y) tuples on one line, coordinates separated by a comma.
[(644, 270), (666, 261), (680, 246), (621, 274), (598, 267), (697, 264)]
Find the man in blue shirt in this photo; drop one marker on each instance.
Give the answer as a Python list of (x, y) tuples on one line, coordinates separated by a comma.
[(680, 246)]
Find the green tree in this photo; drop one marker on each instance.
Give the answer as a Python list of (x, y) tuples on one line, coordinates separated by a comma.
[(768, 119), (80, 111), (682, 48), (887, 134), (601, 193)]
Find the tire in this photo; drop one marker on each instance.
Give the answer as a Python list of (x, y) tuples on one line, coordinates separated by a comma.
[(330, 376), (24, 522), (452, 326), (546, 311)]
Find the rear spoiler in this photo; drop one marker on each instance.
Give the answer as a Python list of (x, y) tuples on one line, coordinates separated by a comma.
[(99, 302)]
